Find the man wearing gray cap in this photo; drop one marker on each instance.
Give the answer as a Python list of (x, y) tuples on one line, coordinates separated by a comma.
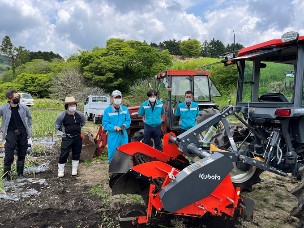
[(116, 119)]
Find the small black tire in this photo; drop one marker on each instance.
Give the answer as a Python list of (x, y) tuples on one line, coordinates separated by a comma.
[(96, 120), (87, 116), (138, 136)]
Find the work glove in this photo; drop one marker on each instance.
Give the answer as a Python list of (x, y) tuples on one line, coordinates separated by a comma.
[(81, 136), (123, 127)]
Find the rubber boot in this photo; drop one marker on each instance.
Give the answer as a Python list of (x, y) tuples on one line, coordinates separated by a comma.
[(6, 173), (20, 169), (61, 170), (75, 167)]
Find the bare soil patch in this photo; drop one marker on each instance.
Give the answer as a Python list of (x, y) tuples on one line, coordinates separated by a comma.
[(86, 201)]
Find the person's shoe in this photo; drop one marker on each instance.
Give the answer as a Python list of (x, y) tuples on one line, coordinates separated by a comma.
[(61, 170), (20, 169), (75, 167)]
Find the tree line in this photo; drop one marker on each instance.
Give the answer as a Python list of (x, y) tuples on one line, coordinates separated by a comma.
[(121, 64), (194, 48)]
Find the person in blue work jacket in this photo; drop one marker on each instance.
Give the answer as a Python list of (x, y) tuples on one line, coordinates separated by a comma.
[(116, 119), (152, 111), (187, 111)]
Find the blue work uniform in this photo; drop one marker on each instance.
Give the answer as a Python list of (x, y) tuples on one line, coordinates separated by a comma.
[(152, 121), (113, 117), (187, 114)]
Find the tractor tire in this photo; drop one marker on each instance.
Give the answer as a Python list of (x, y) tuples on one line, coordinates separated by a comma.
[(139, 137), (87, 116), (132, 211), (96, 120), (298, 211), (205, 114), (243, 175)]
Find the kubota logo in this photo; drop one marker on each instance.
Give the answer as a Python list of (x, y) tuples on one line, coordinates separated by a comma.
[(209, 177)]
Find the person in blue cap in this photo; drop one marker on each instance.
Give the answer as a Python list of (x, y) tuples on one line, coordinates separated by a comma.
[(152, 111), (116, 119), (187, 111)]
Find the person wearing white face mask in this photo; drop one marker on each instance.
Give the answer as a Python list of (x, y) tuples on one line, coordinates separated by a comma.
[(116, 120), (187, 111), (153, 113), (70, 123)]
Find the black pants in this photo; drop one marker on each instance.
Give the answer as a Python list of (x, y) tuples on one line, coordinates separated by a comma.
[(68, 143), (15, 139), (154, 133)]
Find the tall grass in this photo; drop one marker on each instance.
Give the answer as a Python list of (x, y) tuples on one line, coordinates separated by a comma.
[(43, 122)]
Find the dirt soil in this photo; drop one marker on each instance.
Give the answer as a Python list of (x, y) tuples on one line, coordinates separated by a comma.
[(86, 201)]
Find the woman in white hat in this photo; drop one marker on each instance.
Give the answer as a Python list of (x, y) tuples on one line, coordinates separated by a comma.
[(70, 123)]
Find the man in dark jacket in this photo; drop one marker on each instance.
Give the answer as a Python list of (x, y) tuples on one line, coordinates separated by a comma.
[(16, 130), (70, 123)]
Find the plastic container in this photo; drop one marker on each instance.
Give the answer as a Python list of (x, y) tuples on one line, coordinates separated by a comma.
[(210, 133)]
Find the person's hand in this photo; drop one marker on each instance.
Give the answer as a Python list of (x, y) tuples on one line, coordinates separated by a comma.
[(116, 128), (123, 127)]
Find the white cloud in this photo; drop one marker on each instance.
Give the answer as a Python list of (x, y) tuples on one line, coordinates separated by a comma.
[(67, 26)]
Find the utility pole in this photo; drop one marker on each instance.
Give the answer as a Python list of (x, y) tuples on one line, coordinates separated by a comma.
[(233, 41)]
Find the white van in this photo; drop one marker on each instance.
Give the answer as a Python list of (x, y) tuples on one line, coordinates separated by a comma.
[(26, 98), (94, 107)]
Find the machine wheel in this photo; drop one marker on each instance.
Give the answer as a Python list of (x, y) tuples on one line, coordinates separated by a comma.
[(132, 211), (243, 175), (96, 120), (87, 116), (298, 211), (206, 113), (139, 137)]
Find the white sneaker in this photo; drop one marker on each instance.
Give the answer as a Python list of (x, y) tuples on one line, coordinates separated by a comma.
[(61, 170), (75, 167)]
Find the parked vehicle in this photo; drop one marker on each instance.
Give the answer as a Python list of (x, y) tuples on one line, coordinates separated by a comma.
[(94, 107), (27, 99)]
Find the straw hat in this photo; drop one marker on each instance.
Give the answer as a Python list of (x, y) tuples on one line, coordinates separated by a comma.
[(70, 100)]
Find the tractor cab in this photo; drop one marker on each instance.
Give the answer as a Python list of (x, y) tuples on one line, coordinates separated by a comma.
[(172, 87), (271, 77)]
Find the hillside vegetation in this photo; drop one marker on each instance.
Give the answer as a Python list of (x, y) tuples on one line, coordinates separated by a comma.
[(129, 66)]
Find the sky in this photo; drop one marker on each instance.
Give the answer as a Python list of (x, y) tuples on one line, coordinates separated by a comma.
[(69, 26)]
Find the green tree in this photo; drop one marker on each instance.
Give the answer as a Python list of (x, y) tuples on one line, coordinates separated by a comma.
[(45, 55), (7, 48), (37, 84), (191, 48), (121, 63), (234, 47), (8, 85), (216, 48), (172, 46)]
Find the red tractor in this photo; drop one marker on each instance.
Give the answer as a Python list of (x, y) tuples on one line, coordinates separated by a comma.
[(172, 85)]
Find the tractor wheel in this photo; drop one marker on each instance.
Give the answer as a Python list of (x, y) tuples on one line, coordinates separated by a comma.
[(96, 120), (139, 137), (298, 211), (132, 211), (244, 175), (206, 113), (87, 116)]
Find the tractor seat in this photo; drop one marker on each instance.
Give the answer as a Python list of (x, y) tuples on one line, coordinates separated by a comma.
[(273, 97)]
